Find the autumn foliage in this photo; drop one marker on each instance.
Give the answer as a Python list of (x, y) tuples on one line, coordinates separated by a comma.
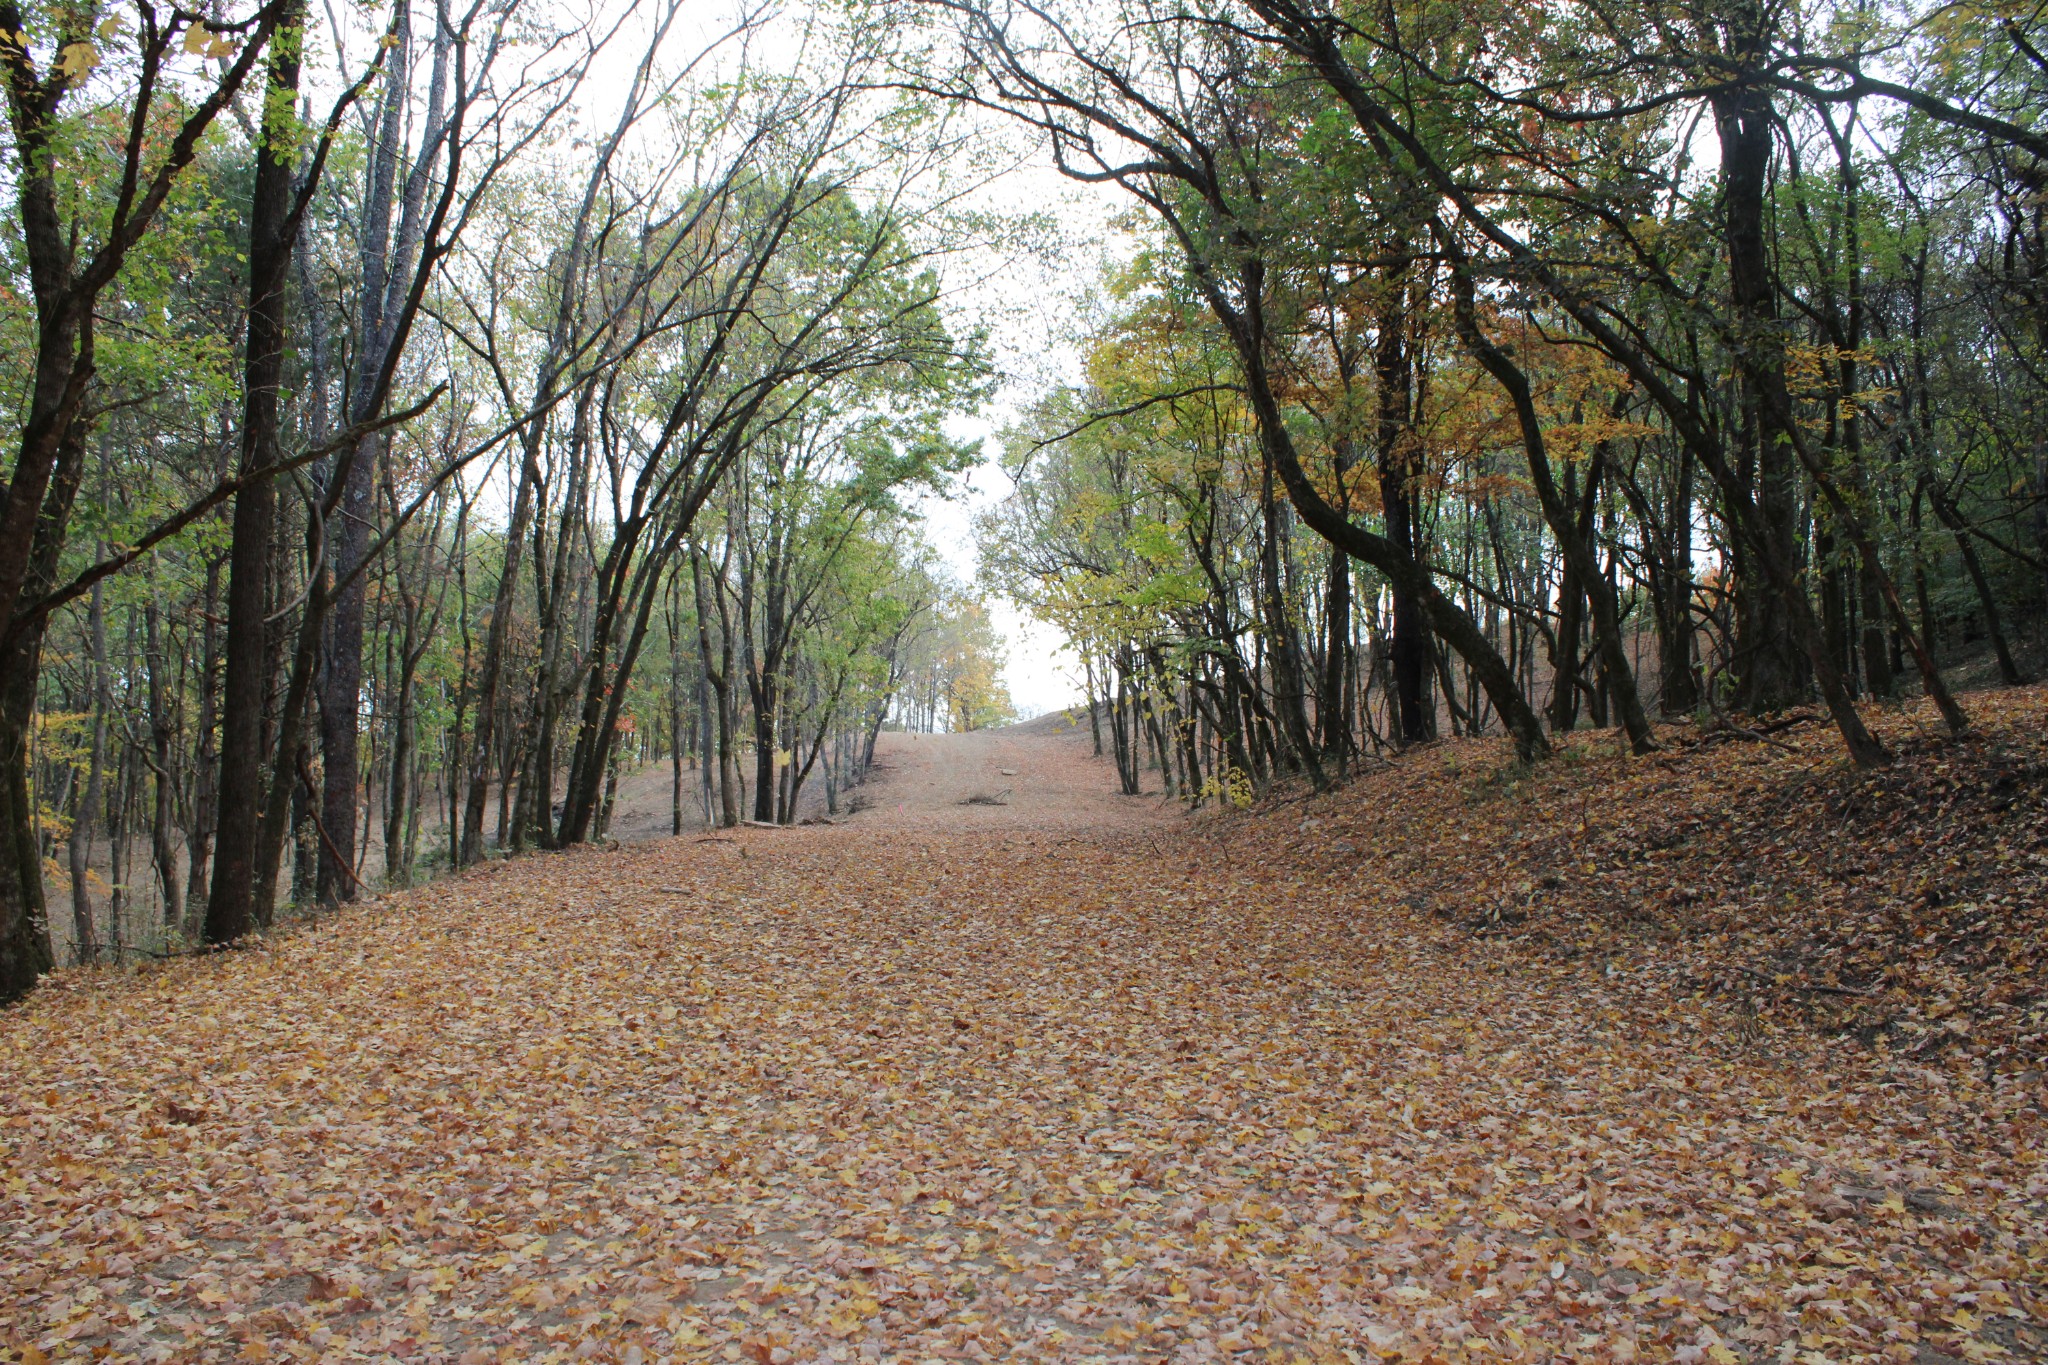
[(1705, 1056)]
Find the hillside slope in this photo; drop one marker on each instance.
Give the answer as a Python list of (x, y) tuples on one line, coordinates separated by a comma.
[(1907, 906)]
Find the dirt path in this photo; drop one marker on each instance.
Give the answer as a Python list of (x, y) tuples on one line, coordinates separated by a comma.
[(1034, 779), (1047, 1080)]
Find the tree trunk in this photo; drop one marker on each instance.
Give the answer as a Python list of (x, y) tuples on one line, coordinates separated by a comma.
[(1772, 674), (1283, 644), (24, 924), (385, 260), (1679, 692), (398, 790), (119, 811), (230, 904), (1987, 601), (1394, 371), (286, 775), (199, 835), (719, 677), (91, 802), (704, 742), (675, 709), (24, 933), (767, 699), (163, 841), (1564, 652), (1334, 715)]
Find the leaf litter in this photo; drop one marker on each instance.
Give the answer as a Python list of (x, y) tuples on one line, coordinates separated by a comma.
[(1105, 1085)]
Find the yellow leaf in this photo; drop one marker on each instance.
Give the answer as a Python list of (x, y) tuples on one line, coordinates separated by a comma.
[(196, 38), (77, 58)]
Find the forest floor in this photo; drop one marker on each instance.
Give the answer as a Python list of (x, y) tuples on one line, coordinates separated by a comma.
[(1725, 1054)]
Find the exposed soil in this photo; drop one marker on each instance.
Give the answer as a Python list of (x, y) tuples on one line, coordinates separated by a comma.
[(1037, 779)]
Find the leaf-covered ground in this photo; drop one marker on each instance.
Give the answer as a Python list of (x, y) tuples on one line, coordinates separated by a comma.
[(1071, 1078)]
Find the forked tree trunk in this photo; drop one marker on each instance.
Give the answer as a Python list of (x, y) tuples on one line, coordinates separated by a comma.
[(1772, 672), (230, 904), (386, 258)]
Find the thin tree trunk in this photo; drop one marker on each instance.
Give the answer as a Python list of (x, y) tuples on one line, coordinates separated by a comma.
[(1283, 646), (91, 803), (199, 834), (163, 839), (1987, 601), (675, 709)]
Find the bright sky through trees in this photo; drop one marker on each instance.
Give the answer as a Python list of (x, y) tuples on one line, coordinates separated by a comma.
[(1031, 290)]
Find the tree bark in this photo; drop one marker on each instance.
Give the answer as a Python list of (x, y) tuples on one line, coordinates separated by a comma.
[(91, 801), (163, 761), (230, 903), (385, 258), (1283, 646), (1410, 650), (199, 833), (1771, 675)]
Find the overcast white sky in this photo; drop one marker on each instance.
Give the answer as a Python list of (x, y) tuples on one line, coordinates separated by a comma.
[(1030, 302)]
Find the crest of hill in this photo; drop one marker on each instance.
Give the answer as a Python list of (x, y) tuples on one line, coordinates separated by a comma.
[(1069, 720)]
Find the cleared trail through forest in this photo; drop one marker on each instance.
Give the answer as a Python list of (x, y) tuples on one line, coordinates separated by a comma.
[(1062, 1078)]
